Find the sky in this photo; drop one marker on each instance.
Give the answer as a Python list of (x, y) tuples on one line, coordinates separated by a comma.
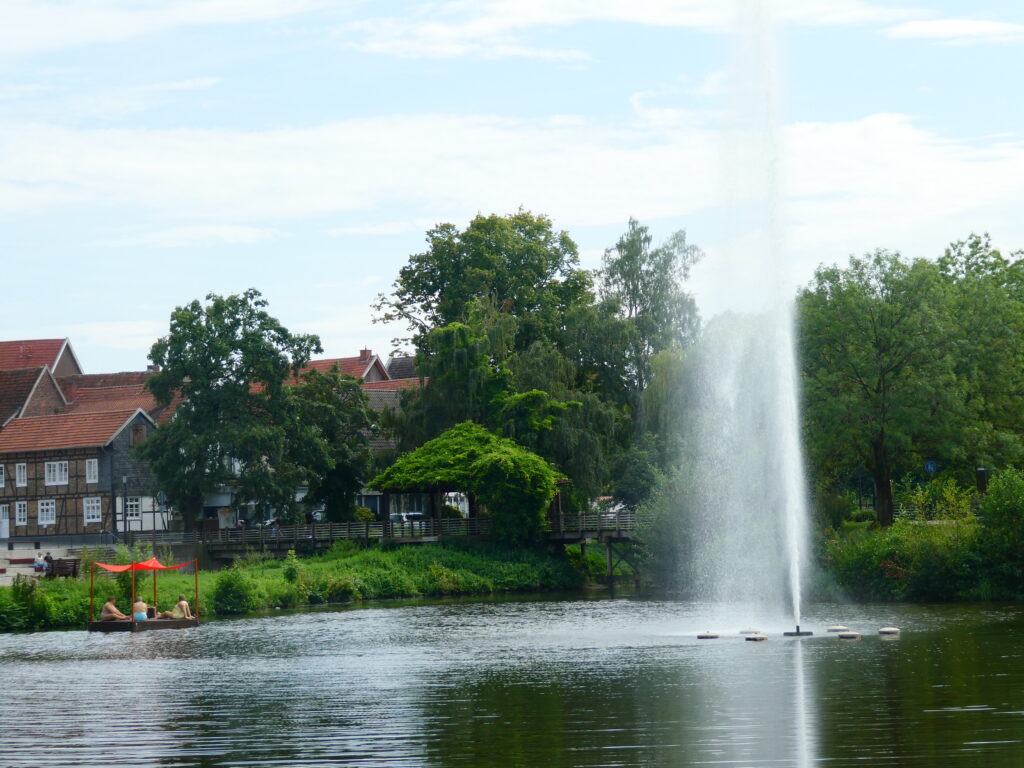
[(154, 151)]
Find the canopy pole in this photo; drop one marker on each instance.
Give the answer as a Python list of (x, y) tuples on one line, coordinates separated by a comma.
[(195, 570), (92, 579), (154, 590)]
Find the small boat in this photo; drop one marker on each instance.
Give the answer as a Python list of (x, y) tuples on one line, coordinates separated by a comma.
[(131, 625), (141, 626)]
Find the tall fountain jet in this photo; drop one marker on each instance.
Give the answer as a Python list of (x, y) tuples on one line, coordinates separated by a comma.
[(745, 496)]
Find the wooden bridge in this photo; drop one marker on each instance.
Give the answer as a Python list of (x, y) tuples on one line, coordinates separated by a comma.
[(605, 527)]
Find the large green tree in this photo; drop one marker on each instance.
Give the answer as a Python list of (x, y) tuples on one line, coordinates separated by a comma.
[(986, 307), (879, 371), (518, 262), (647, 284), (227, 363), (333, 417), (514, 484)]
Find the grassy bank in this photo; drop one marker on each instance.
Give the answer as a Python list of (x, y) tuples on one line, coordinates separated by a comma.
[(343, 574), (943, 552), (912, 560)]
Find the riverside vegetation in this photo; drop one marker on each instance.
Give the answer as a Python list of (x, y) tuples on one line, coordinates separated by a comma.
[(588, 376), (343, 574)]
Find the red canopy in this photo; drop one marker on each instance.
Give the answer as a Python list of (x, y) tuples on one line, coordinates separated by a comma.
[(146, 565)]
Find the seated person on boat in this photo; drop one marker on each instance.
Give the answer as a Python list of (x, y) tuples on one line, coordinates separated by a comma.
[(181, 610), (110, 612), (139, 610)]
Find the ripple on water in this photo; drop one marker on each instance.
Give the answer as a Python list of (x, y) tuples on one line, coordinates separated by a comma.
[(561, 683)]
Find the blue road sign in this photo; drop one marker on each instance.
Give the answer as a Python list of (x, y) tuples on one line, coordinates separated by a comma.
[(931, 467)]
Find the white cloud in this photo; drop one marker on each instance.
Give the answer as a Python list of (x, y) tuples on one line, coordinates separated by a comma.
[(427, 165), (958, 31), (491, 28), (33, 26), (853, 185), (62, 101), (193, 236)]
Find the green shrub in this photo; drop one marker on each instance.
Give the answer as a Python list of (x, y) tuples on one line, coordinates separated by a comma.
[(234, 592), (1001, 540), (13, 614), (911, 560), (364, 515), (283, 595), (290, 569)]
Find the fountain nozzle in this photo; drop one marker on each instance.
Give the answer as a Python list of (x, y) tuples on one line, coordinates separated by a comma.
[(798, 633)]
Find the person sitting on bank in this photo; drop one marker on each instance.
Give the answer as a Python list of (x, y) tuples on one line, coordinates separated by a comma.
[(110, 612), (181, 609), (139, 610), (39, 564)]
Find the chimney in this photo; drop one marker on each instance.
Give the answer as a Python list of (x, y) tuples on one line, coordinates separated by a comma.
[(72, 391), (365, 354)]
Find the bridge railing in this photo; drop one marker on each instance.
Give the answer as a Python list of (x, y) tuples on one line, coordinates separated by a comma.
[(601, 522), (324, 533)]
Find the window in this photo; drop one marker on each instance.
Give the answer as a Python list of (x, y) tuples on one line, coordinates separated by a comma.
[(92, 510), (92, 470), (20, 475), (21, 513), (5, 514), (47, 512), (138, 435), (2, 475), (134, 508), (56, 473)]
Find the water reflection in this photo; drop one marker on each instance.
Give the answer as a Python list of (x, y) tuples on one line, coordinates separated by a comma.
[(556, 683)]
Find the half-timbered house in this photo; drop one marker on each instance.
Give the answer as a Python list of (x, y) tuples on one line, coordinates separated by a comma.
[(74, 474)]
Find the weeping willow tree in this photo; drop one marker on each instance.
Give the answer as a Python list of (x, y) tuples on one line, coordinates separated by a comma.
[(514, 484)]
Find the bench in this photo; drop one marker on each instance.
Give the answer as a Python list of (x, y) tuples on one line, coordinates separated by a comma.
[(65, 566), (21, 560)]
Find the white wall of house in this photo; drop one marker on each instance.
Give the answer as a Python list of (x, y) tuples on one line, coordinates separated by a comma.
[(143, 514)]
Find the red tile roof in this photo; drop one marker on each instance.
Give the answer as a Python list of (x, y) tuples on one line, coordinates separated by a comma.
[(92, 380), (95, 393), (30, 353), (350, 366), (99, 399), (15, 387), (393, 384), (65, 430)]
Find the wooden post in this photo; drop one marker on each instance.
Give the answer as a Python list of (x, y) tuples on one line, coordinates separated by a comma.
[(131, 608), (611, 569), (92, 579)]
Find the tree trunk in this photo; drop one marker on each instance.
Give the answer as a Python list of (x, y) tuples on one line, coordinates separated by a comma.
[(191, 511), (884, 509)]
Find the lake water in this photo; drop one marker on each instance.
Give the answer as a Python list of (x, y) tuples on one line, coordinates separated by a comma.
[(555, 682)]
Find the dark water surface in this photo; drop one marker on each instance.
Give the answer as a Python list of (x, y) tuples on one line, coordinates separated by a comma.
[(523, 683)]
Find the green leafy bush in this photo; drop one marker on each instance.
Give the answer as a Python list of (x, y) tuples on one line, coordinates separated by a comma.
[(1002, 533), (235, 592), (911, 560), (290, 569)]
